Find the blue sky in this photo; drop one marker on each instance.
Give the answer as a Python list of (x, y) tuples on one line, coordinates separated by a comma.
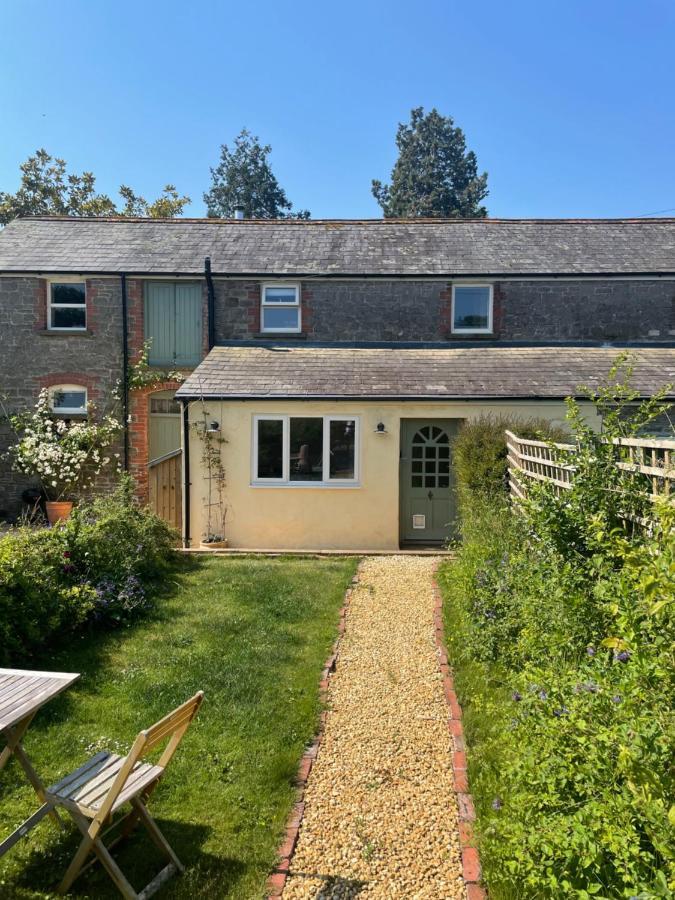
[(569, 104)]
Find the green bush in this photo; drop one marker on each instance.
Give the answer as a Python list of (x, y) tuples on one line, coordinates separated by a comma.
[(98, 567), (479, 451), (561, 633)]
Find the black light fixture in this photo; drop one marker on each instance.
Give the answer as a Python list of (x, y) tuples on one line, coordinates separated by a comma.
[(213, 426), (380, 429)]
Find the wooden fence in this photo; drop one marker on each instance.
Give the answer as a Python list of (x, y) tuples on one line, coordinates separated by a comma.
[(164, 482), (538, 461)]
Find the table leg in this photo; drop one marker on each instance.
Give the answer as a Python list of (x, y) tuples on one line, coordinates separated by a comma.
[(14, 747)]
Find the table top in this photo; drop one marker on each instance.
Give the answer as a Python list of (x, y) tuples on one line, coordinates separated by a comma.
[(23, 692)]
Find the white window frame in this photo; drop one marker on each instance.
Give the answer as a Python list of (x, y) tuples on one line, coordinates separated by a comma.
[(50, 285), (66, 410), (265, 305), (285, 480), (487, 330)]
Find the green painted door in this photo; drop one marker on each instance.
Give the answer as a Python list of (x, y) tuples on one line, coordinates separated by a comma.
[(173, 323), (427, 496)]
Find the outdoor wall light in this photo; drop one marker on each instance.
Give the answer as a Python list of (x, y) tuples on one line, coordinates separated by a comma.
[(213, 426), (380, 429)]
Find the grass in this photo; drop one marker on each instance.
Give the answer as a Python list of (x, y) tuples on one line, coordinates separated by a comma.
[(253, 634)]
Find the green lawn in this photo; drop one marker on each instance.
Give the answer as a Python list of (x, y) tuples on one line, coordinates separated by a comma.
[(253, 634)]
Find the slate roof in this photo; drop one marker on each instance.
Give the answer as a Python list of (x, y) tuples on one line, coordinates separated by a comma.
[(281, 371), (483, 247)]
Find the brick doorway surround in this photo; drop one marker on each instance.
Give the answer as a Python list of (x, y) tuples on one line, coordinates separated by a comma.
[(139, 434)]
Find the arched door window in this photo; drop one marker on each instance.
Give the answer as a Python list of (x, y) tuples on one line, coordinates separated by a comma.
[(430, 466)]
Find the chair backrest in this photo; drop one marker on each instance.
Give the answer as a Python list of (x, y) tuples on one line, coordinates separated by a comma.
[(171, 727)]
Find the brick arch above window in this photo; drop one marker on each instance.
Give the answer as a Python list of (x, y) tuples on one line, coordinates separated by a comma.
[(90, 382)]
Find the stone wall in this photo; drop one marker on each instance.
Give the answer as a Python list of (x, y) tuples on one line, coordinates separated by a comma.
[(604, 310)]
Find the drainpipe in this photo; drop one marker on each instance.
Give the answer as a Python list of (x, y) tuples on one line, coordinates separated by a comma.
[(211, 304), (125, 370), (186, 474)]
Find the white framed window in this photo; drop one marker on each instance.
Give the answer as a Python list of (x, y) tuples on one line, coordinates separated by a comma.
[(66, 306), (280, 308), (472, 308), (319, 451), (68, 399)]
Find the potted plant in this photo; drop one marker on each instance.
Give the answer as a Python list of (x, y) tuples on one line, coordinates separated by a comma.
[(64, 456)]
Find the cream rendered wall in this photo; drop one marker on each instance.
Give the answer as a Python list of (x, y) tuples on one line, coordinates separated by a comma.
[(332, 518)]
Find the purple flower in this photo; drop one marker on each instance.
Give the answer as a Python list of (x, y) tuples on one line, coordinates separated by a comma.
[(66, 554), (543, 695), (497, 803), (616, 698), (517, 696), (590, 651), (562, 711), (623, 656)]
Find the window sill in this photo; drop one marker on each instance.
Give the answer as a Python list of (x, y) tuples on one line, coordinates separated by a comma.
[(303, 485), (470, 335), (281, 335), (65, 333)]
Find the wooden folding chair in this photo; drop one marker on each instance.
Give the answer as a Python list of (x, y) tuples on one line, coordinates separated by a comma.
[(93, 793)]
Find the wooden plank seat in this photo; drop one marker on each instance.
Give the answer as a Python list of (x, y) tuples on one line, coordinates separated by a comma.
[(94, 792)]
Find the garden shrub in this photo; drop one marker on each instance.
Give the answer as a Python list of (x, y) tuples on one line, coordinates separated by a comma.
[(561, 633), (479, 451), (98, 568)]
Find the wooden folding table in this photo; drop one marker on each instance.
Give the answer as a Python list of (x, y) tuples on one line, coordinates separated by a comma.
[(22, 693)]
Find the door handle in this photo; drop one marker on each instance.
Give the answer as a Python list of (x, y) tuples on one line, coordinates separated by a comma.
[(430, 495)]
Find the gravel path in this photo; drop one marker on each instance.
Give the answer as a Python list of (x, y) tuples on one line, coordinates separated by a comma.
[(380, 816)]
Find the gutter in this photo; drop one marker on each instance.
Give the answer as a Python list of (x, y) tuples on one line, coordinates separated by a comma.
[(125, 369), (211, 303), (186, 474)]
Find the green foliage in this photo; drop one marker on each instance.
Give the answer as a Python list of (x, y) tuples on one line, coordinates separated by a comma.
[(561, 632), (98, 567), (479, 451), (434, 176), (47, 189), (244, 178), (141, 374)]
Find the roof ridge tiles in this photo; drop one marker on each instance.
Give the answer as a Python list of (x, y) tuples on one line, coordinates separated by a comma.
[(125, 220)]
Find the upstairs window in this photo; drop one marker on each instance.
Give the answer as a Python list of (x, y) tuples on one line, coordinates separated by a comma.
[(68, 400), (280, 308), (310, 450), (472, 308), (67, 306)]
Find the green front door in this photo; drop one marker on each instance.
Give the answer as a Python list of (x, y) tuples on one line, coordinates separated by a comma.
[(426, 480)]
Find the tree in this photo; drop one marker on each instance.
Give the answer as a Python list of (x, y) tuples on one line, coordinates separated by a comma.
[(434, 175), (47, 189), (245, 179)]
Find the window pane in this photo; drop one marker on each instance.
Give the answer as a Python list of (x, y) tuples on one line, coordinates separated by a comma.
[(270, 448), (342, 448), (472, 307), (69, 317), (306, 449), (280, 295), (68, 293), (285, 317), (69, 399)]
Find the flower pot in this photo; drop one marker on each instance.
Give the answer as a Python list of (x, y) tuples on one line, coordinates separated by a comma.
[(57, 510), (213, 545)]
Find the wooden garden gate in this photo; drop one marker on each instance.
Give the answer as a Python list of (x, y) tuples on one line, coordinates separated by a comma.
[(165, 489)]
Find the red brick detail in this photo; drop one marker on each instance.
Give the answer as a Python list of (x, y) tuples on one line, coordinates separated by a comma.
[(139, 409), (445, 323), (306, 310), (277, 880), (135, 323), (91, 382), (254, 297), (40, 295), (466, 813)]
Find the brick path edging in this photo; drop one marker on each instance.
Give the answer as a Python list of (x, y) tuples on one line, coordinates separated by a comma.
[(277, 880), (471, 868)]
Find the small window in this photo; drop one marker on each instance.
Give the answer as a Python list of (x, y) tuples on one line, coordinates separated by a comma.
[(69, 400), (67, 306), (280, 309), (297, 450), (472, 308)]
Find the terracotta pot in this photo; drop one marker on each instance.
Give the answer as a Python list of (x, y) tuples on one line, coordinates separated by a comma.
[(57, 510), (213, 545)]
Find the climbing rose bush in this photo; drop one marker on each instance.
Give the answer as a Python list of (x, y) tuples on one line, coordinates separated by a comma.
[(64, 456)]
